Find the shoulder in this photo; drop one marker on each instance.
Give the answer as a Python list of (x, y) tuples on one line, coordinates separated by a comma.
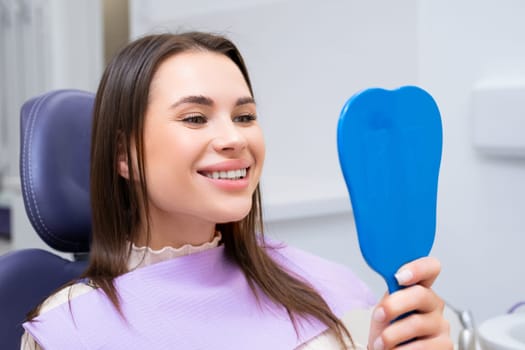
[(356, 321), (64, 295), (28, 343), (326, 276), (61, 297)]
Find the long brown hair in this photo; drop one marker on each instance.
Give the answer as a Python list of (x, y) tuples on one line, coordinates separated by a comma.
[(117, 205)]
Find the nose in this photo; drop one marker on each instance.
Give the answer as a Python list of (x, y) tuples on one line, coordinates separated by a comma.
[(229, 137)]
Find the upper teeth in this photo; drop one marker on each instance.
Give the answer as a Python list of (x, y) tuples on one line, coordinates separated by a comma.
[(230, 174)]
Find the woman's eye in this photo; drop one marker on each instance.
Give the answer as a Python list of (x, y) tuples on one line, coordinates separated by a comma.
[(195, 119), (245, 118)]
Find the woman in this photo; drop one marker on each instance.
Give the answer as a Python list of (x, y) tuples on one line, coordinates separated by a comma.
[(178, 257)]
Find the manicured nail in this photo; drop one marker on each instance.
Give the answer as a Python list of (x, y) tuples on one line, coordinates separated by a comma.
[(379, 315), (378, 344), (404, 276)]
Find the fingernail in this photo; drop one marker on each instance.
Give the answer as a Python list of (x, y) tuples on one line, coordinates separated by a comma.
[(379, 315), (404, 276), (378, 344)]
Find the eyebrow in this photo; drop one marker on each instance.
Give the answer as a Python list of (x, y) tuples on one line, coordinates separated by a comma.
[(244, 101), (206, 101)]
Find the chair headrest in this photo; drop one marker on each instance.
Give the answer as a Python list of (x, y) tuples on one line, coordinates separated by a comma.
[(54, 167)]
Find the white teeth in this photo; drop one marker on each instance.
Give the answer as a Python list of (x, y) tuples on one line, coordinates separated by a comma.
[(228, 175)]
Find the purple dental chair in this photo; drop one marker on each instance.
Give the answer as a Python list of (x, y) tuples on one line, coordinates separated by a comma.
[(54, 169)]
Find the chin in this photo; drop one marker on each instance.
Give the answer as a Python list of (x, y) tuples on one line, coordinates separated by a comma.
[(234, 215)]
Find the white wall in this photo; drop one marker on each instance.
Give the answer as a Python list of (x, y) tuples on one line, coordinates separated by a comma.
[(481, 230), (306, 59)]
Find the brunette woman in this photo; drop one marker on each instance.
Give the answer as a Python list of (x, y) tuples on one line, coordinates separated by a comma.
[(178, 257)]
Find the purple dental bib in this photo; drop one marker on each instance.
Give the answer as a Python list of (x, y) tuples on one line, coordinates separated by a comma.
[(199, 301)]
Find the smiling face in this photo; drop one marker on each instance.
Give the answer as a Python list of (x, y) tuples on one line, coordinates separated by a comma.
[(203, 146)]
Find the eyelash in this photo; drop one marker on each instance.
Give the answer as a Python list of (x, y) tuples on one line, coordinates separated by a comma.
[(200, 119), (195, 119), (246, 118)]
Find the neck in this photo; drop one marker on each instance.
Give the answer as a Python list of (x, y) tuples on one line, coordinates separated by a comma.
[(171, 231)]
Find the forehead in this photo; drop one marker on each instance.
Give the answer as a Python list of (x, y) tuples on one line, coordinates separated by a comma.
[(198, 73)]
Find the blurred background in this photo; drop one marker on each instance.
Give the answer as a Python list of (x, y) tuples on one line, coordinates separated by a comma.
[(306, 59)]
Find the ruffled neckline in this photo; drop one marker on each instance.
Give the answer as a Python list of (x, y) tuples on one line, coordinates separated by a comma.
[(145, 256)]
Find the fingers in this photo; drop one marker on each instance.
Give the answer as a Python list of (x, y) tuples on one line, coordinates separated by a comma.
[(441, 342), (423, 325), (426, 320), (416, 329), (423, 271), (379, 322), (415, 298)]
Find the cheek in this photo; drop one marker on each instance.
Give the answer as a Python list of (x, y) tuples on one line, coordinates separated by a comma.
[(258, 146), (258, 150), (168, 143)]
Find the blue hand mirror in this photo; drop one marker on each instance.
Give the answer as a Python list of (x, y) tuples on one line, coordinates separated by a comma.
[(389, 144)]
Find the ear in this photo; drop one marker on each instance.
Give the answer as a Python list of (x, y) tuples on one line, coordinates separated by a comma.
[(122, 165), (122, 160)]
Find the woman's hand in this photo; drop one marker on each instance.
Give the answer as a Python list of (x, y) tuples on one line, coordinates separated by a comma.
[(426, 326)]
